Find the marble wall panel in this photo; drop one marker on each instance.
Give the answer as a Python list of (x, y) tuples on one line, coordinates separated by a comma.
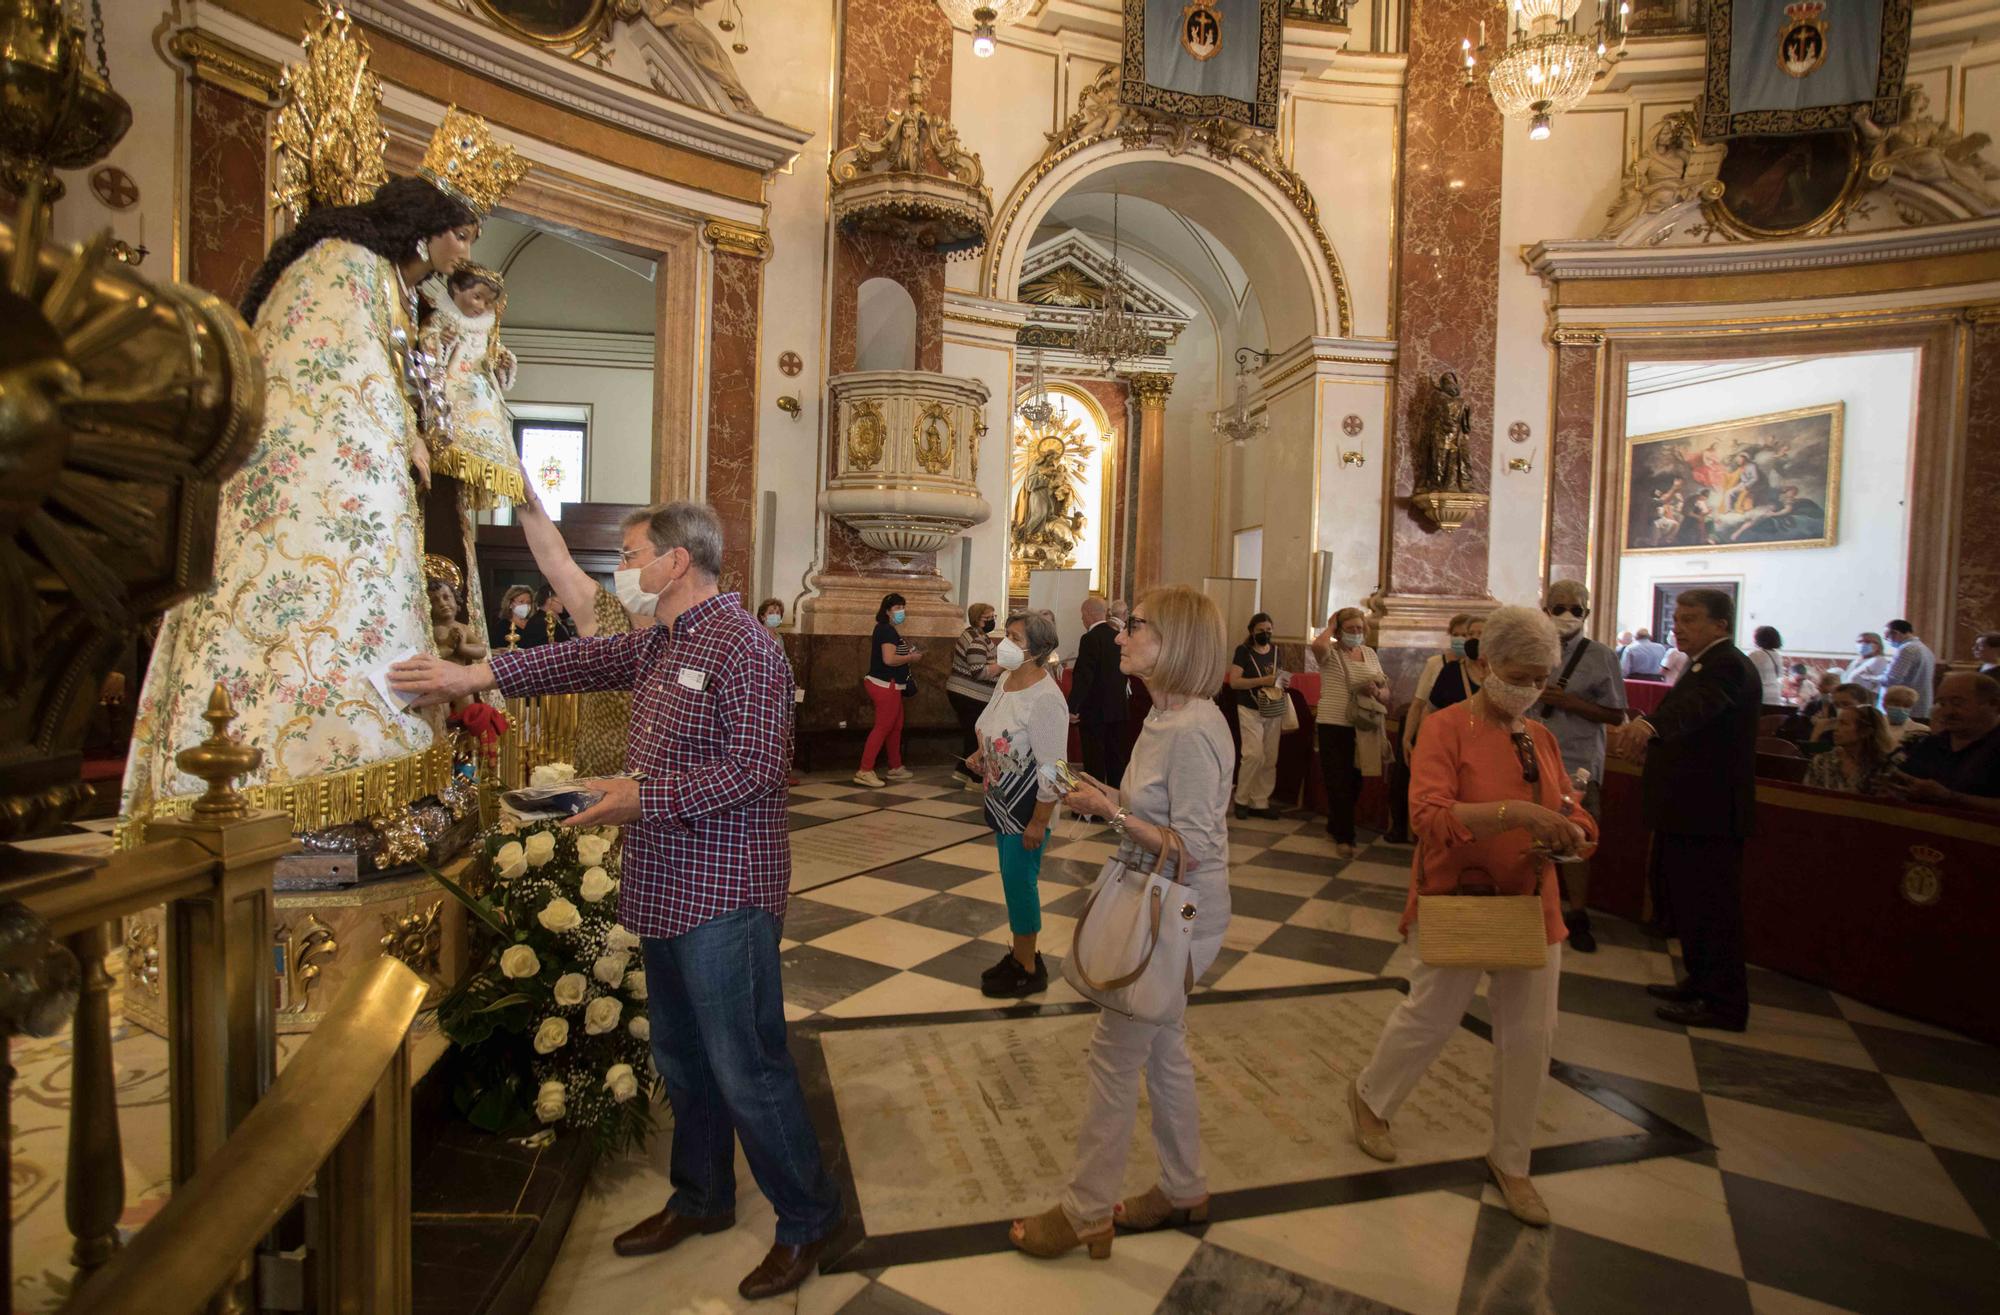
[(226, 191), (881, 41), (732, 411), (1572, 454), (1978, 596), (1448, 281)]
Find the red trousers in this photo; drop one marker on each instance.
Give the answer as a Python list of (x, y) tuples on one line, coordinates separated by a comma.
[(888, 732)]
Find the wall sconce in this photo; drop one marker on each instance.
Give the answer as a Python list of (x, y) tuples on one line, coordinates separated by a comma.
[(1353, 459), (1521, 465), (790, 406)]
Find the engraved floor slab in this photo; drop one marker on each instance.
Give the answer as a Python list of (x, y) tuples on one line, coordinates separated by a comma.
[(861, 844), (954, 1123)]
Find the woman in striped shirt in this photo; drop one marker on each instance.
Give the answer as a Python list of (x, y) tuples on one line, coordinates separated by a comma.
[(970, 685)]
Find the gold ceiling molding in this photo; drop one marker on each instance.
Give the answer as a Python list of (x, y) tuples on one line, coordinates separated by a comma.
[(730, 239), (226, 65), (1101, 117)]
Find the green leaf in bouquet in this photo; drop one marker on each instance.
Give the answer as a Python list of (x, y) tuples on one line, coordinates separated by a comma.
[(504, 1002), (480, 908)]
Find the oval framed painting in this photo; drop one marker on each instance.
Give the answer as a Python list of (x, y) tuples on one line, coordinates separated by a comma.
[(550, 22), (1787, 186)]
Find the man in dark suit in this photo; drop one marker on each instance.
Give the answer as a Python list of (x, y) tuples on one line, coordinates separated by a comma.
[(1097, 698), (1699, 792)]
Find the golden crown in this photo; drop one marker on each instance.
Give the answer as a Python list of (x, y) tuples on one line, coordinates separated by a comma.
[(465, 163)]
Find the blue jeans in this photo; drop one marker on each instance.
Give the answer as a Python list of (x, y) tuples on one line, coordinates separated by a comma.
[(718, 1019)]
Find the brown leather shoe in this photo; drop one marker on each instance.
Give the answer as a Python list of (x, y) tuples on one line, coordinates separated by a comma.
[(665, 1231), (784, 1268)]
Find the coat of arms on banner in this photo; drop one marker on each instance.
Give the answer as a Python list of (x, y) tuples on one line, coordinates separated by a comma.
[(1802, 41), (1201, 29)]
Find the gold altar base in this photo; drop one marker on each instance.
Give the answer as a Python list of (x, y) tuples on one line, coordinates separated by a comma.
[(321, 940)]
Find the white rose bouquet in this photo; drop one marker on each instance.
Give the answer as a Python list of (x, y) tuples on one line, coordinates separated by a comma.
[(551, 1028)]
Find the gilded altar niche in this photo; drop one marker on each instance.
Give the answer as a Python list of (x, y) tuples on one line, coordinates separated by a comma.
[(1059, 471)]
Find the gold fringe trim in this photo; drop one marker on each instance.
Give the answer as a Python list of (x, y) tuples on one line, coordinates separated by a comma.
[(318, 802), (489, 482)]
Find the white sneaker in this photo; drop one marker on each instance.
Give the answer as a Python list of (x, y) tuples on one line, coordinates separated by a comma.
[(899, 773), (869, 779)]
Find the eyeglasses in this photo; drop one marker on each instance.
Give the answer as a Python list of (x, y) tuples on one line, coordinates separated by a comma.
[(625, 556), (1524, 749), (1568, 609)]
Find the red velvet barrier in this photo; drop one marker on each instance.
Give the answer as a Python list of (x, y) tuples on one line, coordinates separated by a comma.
[(1644, 696), (1827, 885)]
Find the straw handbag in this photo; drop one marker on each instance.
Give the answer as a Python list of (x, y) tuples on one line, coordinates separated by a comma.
[(1132, 951), (1484, 930)]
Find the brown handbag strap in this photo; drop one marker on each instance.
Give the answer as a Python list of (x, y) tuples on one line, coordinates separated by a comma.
[(1173, 848)]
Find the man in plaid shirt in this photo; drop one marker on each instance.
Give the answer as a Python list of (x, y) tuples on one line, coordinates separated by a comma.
[(707, 868)]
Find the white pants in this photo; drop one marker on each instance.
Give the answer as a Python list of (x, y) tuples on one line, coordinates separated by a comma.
[(1120, 1050), (1523, 1005), (1258, 772)]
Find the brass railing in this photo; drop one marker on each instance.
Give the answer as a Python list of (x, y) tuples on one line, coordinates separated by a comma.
[(339, 1113)]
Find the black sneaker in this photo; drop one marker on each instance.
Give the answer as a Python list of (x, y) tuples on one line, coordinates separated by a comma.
[(1014, 981), (1580, 938), (1242, 811), (1268, 814), (999, 969)]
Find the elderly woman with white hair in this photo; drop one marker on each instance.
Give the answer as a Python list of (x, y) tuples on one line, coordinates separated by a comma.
[(1024, 730), (1490, 803)]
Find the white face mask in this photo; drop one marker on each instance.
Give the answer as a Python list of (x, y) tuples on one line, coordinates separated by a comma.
[(1510, 700), (1009, 655), (631, 597), (1350, 638), (1567, 626), (521, 610)]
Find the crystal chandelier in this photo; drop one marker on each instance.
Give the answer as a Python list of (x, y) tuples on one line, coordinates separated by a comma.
[(1036, 409), (1548, 63), (1236, 426), (1114, 332), (984, 17)]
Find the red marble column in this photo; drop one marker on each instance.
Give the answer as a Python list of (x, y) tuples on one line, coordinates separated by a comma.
[(736, 292), (1573, 454), (1978, 574), (881, 42), (1447, 287), (227, 192)]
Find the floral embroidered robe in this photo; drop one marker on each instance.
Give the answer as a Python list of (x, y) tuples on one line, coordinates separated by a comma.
[(319, 569)]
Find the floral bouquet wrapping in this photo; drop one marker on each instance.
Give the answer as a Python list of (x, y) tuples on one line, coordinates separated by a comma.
[(551, 1027)]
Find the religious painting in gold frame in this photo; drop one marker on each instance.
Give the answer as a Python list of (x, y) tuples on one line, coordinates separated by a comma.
[(1065, 451), (1792, 186), (1765, 481), (571, 27)]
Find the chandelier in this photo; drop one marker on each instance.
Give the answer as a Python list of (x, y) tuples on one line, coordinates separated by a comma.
[(1548, 63), (1036, 409), (1236, 426), (1112, 331), (983, 17)]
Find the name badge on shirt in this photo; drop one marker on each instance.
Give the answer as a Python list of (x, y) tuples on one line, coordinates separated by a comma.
[(693, 679)]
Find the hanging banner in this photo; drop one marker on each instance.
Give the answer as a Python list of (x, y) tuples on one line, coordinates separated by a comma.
[(1205, 59), (1805, 66)]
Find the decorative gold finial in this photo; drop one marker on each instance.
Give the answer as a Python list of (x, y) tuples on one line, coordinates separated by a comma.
[(219, 760), (468, 165), (329, 136)]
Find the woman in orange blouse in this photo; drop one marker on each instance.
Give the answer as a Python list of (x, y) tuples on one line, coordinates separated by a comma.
[(1487, 787)]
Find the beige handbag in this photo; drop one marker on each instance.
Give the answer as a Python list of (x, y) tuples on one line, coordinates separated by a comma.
[(1132, 950), (1483, 929)]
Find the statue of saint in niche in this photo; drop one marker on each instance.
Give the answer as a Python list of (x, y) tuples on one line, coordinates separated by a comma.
[(1048, 515), (1443, 460)]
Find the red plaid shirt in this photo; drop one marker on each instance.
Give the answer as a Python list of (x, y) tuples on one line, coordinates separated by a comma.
[(710, 740)]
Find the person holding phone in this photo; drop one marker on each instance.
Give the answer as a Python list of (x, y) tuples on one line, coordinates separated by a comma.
[(1022, 734), (887, 683)]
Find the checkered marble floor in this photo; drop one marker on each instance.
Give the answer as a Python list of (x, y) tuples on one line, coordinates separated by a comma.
[(1853, 1160)]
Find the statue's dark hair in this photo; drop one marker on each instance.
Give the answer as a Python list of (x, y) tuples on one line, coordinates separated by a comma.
[(402, 212)]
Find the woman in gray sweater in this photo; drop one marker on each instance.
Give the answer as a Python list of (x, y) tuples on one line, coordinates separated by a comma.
[(1178, 778)]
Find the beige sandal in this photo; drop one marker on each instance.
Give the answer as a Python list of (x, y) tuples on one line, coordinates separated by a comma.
[(1153, 1211), (1523, 1201), (1050, 1234), (1377, 1144)]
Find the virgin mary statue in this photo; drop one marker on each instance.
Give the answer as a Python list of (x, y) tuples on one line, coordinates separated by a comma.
[(319, 563)]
